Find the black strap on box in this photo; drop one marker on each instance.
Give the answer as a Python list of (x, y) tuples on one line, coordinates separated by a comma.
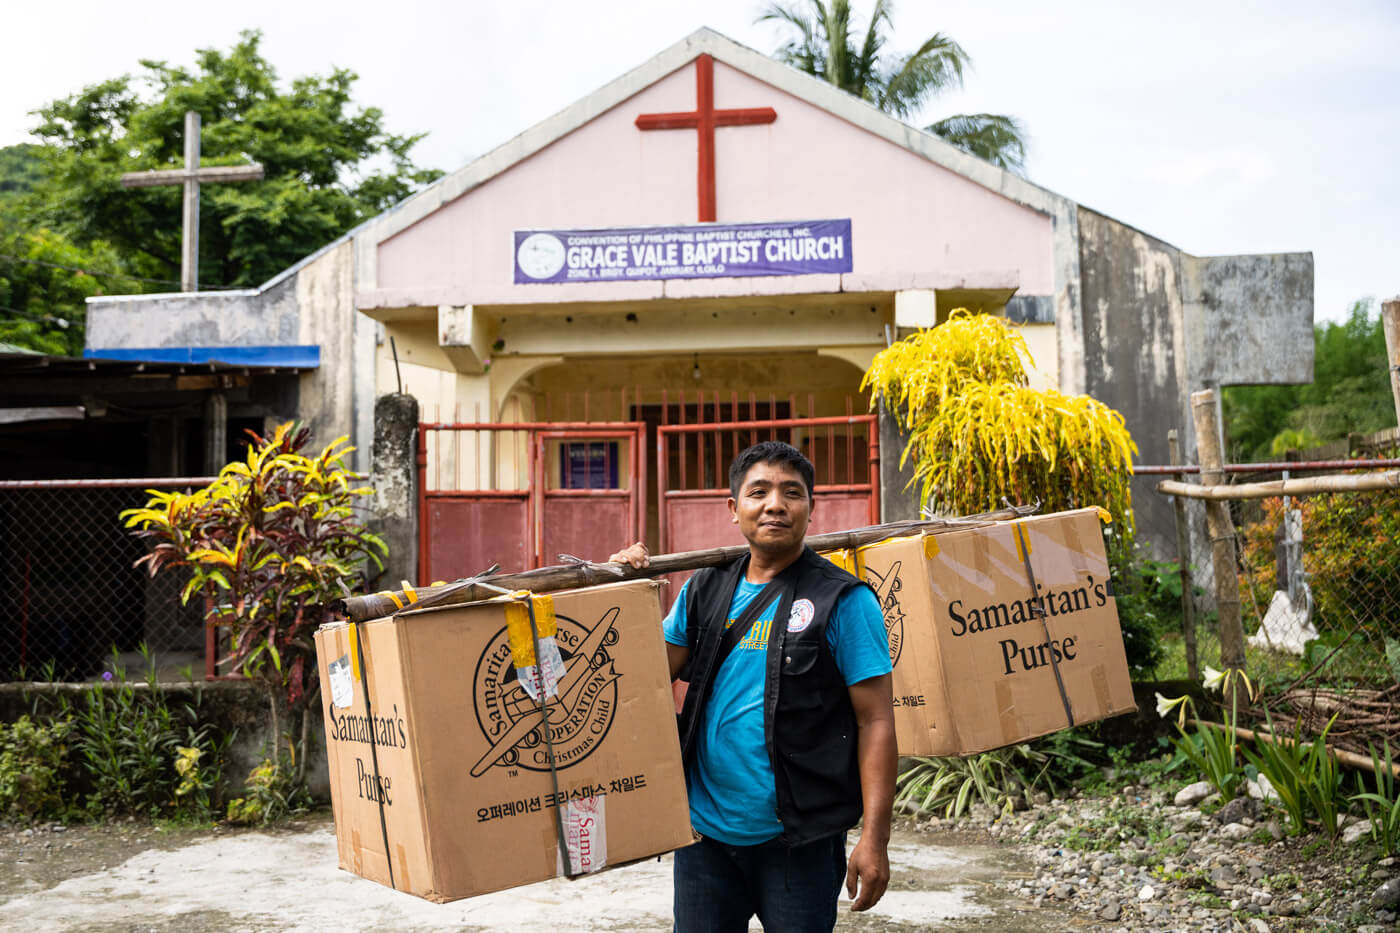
[(373, 746), (1037, 607), (541, 700)]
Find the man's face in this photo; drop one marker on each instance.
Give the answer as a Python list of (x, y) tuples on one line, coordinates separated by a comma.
[(773, 508)]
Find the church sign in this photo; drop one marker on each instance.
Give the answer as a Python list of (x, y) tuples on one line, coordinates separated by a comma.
[(703, 251)]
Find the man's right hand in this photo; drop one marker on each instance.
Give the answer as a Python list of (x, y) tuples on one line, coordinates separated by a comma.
[(636, 555)]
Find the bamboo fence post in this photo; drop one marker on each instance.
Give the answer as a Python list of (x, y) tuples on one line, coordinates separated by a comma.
[(1205, 414), (1183, 557), (1390, 323)]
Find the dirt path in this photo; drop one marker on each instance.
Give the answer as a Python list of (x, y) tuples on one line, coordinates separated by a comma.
[(129, 877)]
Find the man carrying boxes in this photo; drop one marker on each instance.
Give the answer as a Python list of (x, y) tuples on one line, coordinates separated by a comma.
[(787, 731)]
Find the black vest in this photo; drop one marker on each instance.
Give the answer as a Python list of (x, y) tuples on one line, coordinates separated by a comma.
[(808, 722)]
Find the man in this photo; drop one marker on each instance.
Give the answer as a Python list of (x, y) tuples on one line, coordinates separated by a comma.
[(787, 729)]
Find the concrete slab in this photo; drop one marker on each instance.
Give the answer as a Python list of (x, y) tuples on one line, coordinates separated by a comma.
[(289, 881)]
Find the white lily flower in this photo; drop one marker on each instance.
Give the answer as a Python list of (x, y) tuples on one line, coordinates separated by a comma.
[(1165, 706), (1212, 678)]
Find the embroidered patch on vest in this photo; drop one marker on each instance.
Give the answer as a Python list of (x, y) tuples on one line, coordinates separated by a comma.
[(802, 614)]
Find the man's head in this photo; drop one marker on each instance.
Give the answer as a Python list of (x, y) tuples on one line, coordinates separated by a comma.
[(771, 452), (771, 498)]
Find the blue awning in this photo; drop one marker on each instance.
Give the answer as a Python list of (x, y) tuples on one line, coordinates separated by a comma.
[(276, 357)]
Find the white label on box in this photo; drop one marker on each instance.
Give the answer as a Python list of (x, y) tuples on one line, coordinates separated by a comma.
[(546, 674), (586, 834), (342, 681)]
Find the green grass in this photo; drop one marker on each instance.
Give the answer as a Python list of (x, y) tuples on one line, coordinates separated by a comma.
[(1361, 660), (1263, 666)]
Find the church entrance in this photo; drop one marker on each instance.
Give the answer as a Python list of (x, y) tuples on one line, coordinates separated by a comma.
[(520, 494)]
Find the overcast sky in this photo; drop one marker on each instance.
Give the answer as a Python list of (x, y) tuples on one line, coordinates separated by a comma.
[(1221, 127)]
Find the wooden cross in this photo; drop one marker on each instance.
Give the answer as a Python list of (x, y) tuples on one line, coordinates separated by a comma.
[(703, 119), (190, 176)]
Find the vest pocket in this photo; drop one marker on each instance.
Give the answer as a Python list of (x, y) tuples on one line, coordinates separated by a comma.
[(798, 659), (826, 781)]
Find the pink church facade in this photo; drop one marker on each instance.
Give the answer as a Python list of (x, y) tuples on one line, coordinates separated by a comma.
[(518, 291)]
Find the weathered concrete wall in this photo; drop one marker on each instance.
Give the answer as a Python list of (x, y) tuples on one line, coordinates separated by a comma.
[(1160, 324), (323, 291), (1249, 319), (202, 319), (1134, 352)]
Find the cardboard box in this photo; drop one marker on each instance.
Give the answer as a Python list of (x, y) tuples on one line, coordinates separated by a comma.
[(457, 786), (972, 667)]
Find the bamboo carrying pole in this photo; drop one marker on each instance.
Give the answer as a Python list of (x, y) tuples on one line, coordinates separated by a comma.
[(1313, 485), (569, 576), (1205, 414), (1183, 556)]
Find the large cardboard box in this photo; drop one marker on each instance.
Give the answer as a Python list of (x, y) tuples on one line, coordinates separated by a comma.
[(973, 667), (454, 796)]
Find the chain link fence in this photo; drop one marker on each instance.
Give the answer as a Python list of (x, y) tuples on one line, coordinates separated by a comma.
[(70, 596), (1319, 579)]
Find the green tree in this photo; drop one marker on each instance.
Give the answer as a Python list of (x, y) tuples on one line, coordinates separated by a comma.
[(825, 43), (44, 282), (329, 164), (1349, 394), (21, 168)]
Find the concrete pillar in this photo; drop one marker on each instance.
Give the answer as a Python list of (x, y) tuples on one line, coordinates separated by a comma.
[(394, 475), (898, 500), (215, 433)]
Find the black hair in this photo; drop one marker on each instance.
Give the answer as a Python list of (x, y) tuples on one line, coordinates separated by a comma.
[(771, 452)]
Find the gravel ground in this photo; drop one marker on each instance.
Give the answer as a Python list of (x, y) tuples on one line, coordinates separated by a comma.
[(1154, 860)]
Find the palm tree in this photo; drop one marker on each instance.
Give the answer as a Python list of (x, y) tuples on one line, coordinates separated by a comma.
[(899, 85)]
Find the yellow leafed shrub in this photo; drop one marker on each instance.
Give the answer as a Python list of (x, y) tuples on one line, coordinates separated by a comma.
[(978, 432)]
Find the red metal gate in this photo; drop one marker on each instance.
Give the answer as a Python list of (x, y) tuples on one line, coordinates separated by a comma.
[(520, 493), (844, 450)]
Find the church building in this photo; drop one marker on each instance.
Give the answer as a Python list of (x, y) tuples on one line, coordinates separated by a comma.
[(710, 249)]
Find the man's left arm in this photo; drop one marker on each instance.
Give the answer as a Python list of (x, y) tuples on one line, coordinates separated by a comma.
[(868, 873)]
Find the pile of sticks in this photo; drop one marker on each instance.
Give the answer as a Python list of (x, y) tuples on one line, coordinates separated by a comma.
[(1364, 718)]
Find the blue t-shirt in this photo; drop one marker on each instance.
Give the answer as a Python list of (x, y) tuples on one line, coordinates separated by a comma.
[(733, 796)]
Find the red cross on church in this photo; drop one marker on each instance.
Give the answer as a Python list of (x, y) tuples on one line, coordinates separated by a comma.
[(703, 119)]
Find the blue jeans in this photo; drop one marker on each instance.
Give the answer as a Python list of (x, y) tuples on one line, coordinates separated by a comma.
[(719, 887)]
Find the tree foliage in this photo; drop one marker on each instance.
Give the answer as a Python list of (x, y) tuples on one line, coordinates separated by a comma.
[(271, 544), (1350, 393), (824, 42), (45, 280), (329, 164), (978, 432)]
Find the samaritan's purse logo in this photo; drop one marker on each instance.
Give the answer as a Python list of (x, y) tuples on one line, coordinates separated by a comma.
[(801, 616), (886, 586), (578, 718)]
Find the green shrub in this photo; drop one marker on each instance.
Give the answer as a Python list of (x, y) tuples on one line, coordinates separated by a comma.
[(33, 761), (1351, 553), (1305, 776), (999, 778), (1148, 595), (271, 545), (128, 743), (271, 793), (1382, 804)]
